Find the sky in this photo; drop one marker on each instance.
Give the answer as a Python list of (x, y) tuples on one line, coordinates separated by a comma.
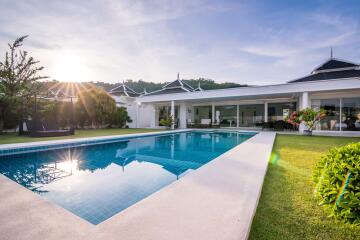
[(247, 42)]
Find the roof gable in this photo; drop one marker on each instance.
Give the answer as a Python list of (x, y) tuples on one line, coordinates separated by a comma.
[(176, 86), (333, 64), (176, 83), (332, 69), (122, 89)]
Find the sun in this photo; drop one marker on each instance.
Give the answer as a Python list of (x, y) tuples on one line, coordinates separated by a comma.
[(69, 67)]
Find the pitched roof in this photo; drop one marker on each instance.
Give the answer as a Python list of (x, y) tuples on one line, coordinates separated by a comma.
[(332, 69), (176, 86), (329, 75), (198, 89), (333, 64), (58, 93), (123, 90)]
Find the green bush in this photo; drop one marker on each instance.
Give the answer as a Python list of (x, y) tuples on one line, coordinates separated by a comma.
[(120, 117), (167, 121), (337, 179)]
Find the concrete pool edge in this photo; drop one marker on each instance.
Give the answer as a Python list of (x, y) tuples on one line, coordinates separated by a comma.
[(218, 201)]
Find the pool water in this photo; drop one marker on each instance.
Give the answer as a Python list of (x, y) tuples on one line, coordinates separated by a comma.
[(95, 182)]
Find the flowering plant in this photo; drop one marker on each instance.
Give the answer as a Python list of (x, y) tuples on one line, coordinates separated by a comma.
[(307, 116)]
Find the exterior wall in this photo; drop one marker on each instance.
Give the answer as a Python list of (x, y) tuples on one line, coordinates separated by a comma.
[(302, 93), (131, 109), (147, 117)]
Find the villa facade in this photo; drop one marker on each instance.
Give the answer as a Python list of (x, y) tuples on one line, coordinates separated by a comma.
[(333, 86)]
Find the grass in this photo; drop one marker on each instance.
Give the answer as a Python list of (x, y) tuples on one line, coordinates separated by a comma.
[(13, 138), (287, 208)]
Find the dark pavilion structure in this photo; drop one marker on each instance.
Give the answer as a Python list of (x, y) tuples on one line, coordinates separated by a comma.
[(332, 69), (177, 86), (123, 90)]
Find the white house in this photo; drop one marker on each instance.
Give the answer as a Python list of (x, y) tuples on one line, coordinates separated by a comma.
[(333, 86)]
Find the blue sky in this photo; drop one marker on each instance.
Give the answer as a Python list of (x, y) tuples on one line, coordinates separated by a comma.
[(252, 42)]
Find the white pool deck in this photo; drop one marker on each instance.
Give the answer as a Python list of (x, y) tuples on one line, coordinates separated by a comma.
[(217, 201)]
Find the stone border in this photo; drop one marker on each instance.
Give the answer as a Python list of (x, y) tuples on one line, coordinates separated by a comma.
[(217, 201)]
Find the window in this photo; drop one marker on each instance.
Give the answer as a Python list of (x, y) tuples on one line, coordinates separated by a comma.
[(332, 107), (226, 115), (202, 112), (279, 111), (350, 114), (251, 115)]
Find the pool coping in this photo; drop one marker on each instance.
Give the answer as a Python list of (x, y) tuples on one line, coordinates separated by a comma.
[(13, 148), (217, 201)]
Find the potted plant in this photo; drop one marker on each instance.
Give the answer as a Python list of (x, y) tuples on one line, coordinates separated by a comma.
[(168, 121), (309, 117)]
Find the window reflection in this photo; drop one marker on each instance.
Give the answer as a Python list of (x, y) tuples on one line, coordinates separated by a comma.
[(226, 115), (202, 113), (251, 115), (332, 108), (279, 111), (350, 118)]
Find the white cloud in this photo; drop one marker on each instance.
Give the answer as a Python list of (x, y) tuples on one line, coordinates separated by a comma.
[(153, 40)]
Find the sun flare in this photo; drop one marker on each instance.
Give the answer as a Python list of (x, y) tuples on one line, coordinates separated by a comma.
[(71, 68)]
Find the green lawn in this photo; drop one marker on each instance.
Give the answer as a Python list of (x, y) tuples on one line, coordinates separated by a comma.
[(13, 138), (287, 208)]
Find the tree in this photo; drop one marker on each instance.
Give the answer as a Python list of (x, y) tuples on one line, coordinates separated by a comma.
[(308, 116), (94, 107), (18, 72)]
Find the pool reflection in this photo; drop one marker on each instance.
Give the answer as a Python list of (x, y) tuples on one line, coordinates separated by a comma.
[(95, 182)]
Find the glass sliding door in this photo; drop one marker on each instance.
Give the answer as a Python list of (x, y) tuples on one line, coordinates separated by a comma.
[(332, 107), (226, 115), (350, 114), (251, 115), (202, 112), (279, 111)]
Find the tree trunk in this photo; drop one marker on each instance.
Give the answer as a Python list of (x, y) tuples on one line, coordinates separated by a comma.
[(1, 122)]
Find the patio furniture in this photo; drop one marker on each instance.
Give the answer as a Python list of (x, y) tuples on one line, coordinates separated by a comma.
[(205, 122), (190, 123), (343, 125), (215, 125), (46, 130)]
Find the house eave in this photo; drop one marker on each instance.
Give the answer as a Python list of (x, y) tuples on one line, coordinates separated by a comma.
[(286, 88)]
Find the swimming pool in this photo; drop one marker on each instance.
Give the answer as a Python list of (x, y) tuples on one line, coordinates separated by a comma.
[(97, 181)]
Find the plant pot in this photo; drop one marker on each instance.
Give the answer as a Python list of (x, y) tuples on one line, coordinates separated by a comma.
[(307, 133)]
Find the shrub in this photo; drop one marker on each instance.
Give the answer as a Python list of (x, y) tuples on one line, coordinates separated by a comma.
[(337, 179), (120, 117), (167, 121)]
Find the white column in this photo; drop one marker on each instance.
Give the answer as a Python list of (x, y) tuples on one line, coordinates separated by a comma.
[(340, 126), (304, 104), (304, 100), (212, 113), (266, 112), (172, 113), (182, 115), (237, 116), (137, 114)]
